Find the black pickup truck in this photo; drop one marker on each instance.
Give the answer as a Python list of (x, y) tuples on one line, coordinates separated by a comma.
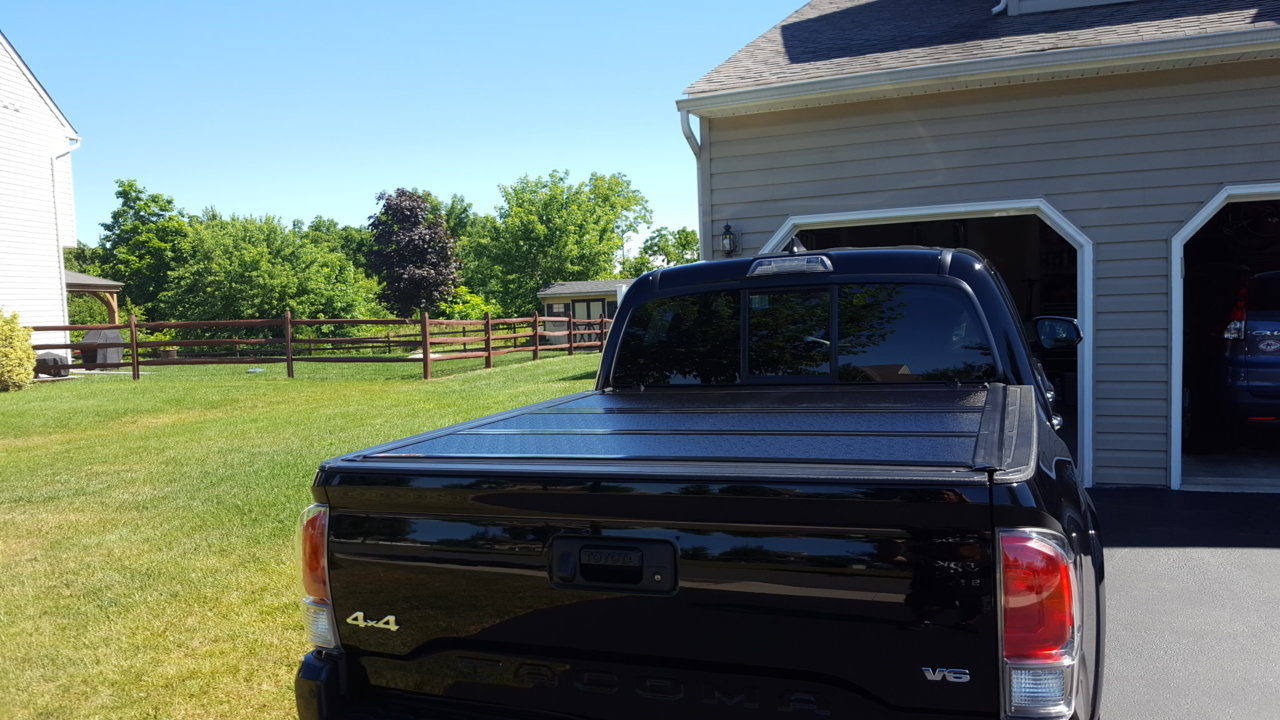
[(817, 485)]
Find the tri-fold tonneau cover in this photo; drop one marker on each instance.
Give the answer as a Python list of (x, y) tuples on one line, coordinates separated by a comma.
[(949, 428)]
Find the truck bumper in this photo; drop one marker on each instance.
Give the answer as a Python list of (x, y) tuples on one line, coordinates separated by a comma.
[(316, 687)]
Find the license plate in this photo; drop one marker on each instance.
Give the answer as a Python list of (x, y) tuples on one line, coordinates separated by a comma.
[(612, 557)]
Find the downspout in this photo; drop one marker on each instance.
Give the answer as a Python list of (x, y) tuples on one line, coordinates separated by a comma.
[(1000, 8), (57, 232), (705, 253), (53, 178), (704, 239), (692, 139)]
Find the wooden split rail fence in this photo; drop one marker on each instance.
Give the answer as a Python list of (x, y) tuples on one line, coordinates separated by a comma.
[(428, 333)]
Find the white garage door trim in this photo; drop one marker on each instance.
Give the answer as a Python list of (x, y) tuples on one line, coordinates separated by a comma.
[(1177, 274), (1035, 206)]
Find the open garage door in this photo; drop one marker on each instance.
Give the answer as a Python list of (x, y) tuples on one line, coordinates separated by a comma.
[(1231, 349), (1038, 264)]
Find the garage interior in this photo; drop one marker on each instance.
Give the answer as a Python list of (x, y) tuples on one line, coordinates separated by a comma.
[(1220, 450), (1041, 276)]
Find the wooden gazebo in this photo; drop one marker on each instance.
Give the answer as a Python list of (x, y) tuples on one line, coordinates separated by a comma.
[(107, 291)]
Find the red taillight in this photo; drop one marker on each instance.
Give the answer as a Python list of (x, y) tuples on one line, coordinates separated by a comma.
[(1239, 313), (312, 547), (1039, 610), (1241, 307)]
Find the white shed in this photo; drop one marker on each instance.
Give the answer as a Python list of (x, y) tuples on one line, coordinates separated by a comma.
[(37, 212)]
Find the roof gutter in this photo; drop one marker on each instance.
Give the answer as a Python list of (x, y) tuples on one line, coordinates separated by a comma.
[(1241, 45), (74, 143)]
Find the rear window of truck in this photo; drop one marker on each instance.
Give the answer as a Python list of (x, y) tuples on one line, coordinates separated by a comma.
[(851, 333)]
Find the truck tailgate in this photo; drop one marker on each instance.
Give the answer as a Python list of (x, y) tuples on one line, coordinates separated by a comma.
[(845, 571)]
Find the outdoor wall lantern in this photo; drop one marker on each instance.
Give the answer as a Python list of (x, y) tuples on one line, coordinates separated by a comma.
[(729, 241)]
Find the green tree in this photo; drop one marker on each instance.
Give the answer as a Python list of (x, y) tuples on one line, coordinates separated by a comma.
[(672, 247), (84, 309), (635, 266), (138, 242), (412, 253), (466, 305), (244, 267), (550, 230), (354, 242), (456, 213), (84, 258), (663, 248)]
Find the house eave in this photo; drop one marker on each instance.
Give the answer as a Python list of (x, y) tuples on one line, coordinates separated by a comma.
[(1172, 53), (39, 88), (580, 294)]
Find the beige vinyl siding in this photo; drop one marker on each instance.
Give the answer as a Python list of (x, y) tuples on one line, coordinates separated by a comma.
[(1127, 159), (708, 237), (36, 209)]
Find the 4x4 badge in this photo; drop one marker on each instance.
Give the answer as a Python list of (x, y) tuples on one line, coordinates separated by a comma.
[(386, 623)]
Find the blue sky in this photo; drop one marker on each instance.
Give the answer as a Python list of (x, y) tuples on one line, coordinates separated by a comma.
[(299, 109)]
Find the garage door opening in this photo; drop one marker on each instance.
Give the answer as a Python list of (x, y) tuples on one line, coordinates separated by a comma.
[(1037, 263), (1230, 427)]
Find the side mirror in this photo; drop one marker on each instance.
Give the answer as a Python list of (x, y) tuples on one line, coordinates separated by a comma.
[(1058, 333)]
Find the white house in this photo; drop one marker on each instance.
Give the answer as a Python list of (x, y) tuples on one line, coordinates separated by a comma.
[(37, 213)]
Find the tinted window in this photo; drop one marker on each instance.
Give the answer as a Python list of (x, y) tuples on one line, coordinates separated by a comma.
[(690, 339), (788, 333), (881, 332), (905, 333)]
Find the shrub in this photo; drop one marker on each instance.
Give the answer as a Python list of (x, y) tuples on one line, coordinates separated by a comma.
[(466, 305), (17, 359)]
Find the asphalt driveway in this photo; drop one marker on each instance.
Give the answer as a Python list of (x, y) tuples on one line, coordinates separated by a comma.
[(1193, 604)]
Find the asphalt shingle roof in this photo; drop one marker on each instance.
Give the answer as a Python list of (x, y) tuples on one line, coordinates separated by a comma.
[(91, 282), (834, 38), (584, 287)]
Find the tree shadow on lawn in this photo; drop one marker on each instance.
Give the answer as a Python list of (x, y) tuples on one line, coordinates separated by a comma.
[(589, 375)]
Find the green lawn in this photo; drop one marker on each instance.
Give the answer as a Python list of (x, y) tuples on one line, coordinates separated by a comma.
[(146, 528)]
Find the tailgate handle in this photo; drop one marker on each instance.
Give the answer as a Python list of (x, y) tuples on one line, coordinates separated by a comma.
[(566, 567), (619, 565)]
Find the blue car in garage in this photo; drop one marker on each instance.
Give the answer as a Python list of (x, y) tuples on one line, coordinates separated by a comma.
[(1253, 352)]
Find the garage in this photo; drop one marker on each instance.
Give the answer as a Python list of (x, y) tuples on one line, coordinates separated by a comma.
[(1122, 127), (1230, 410), (1038, 264)]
